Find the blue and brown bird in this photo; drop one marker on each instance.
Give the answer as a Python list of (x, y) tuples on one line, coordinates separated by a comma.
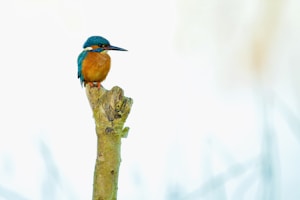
[(93, 61)]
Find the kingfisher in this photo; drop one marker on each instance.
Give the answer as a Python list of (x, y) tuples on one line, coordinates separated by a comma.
[(94, 61)]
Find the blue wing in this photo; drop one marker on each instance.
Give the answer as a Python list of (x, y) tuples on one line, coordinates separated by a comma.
[(80, 58)]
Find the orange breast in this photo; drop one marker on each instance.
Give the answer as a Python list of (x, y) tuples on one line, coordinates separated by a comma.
[(95, 67)]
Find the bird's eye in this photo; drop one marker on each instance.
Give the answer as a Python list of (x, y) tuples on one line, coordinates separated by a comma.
[(102, 45)]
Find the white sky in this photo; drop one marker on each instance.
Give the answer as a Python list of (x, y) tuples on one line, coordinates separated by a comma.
[(197, 108)]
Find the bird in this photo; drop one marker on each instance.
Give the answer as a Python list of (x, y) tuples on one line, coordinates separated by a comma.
[(94, 61)]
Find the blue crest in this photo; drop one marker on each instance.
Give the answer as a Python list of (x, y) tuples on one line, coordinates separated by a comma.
[(95, 40)]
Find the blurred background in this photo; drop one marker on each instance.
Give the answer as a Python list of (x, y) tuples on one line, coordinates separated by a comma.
[(215, 84)]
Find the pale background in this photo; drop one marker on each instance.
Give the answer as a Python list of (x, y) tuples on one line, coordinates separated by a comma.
[(216, 111)]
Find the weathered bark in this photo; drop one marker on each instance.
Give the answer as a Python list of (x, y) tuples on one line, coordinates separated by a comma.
[(110, 109)]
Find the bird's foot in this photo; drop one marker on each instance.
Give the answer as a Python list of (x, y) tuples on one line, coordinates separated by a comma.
[(91, 84), (94, 84), (99, 85)]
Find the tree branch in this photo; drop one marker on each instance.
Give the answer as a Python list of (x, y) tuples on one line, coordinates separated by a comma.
[(110, 109)]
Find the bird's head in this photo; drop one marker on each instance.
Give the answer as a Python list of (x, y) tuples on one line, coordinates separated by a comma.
[(99, 44)]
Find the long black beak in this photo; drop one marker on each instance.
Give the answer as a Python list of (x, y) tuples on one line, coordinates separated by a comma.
[(114, 48)]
